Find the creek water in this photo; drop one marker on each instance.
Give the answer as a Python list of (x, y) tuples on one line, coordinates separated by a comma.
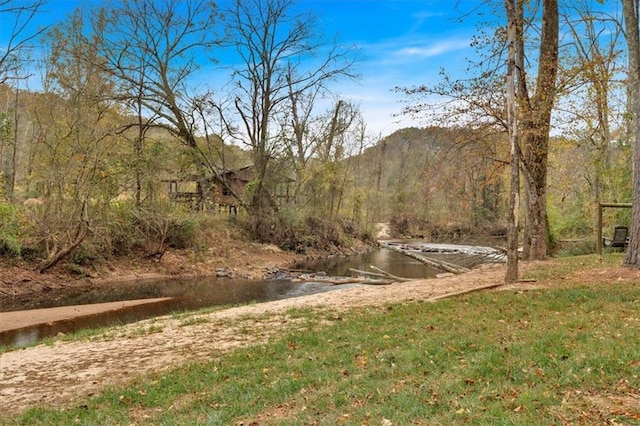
[(190, 294), (388, 260), (183, 294)]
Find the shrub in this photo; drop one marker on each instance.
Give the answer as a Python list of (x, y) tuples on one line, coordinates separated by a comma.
[(117, 235), (87, 253), (182, 232), (575, 248), (10, 243)]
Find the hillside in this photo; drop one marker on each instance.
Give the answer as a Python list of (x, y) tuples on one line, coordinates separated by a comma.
[(442, 177)]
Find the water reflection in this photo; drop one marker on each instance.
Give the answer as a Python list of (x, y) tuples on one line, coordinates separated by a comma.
[(27, 335), (186, 294), (189, 294), (392, 262)]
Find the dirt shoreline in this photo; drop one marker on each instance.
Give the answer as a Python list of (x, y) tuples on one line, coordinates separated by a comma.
[(57, 375), (14, 320)]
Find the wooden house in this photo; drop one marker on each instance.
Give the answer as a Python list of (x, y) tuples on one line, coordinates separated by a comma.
[(224, 190), (228, 187)]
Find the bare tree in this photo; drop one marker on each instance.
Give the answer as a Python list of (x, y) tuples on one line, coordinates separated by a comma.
[(630, 10), (301, 142), (280, 58), (17, 17), (153, 50), (593, 105), (75, 126), (338, 136)]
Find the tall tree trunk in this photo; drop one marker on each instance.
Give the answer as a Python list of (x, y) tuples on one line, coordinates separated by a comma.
[(535, 126), (11, 153), (514, 189), (630, 10), (139, 154)]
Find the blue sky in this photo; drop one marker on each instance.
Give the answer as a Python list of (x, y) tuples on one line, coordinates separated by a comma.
[(400, 42)]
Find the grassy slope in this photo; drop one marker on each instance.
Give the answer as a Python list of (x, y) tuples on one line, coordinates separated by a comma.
[(567, 353)]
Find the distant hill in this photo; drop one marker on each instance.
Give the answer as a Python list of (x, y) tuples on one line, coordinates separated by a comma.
[(434, 174)]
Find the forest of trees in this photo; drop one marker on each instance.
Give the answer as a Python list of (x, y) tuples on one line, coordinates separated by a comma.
[(569, 70), (85, 160)]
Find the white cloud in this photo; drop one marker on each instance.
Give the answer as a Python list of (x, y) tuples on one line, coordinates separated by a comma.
[(400, 62), (435, 49)]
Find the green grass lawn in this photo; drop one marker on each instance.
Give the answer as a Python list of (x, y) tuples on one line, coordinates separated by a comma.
[(567, 355)]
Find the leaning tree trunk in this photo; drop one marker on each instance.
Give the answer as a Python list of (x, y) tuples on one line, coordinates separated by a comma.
[(58, 254)]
